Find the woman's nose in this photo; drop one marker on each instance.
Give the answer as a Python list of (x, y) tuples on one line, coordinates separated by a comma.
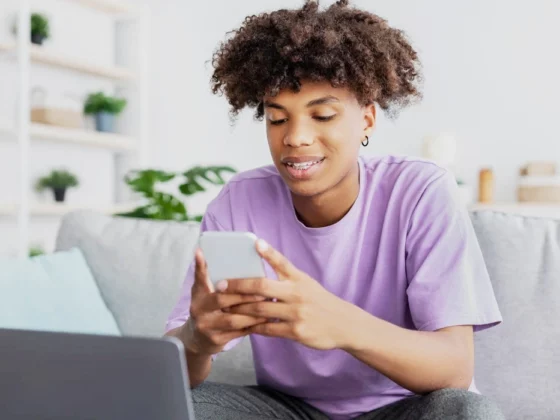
[(298, 135)]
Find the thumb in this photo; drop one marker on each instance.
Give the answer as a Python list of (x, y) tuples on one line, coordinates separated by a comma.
[(202, 281), (279, 263)]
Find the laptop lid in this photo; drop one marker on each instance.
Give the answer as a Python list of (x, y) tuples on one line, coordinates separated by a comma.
[(47, 375)]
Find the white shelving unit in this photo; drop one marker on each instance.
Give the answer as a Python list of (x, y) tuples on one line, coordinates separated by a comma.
[(123, 147), (38, 55), (43, 132)]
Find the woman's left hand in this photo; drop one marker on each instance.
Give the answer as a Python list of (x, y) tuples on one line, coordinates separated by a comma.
[(303, 310)]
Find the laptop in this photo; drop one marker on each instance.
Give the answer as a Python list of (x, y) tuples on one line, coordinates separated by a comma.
[(45, 375)]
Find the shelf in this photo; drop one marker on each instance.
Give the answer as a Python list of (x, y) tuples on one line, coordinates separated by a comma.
[(548, 210), (55, 210), (84, 137), (106, 6), (117, 142), (41, 55)]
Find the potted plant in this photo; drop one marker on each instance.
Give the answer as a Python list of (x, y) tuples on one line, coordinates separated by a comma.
[(39, 28), (104, 108), (162, 205), (58, 181)]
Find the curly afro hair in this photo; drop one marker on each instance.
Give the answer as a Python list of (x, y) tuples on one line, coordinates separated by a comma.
[(343, 45)]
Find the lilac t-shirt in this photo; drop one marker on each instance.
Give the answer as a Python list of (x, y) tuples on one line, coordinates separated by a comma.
[(406, 252)]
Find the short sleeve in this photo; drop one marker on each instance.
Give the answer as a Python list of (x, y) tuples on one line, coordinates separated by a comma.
[(448, 283), (181, 312)]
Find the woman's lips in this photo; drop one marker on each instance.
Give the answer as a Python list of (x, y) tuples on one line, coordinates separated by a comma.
[(303, 168)]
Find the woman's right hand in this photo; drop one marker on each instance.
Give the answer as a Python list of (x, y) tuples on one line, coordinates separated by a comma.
[(210, 327)]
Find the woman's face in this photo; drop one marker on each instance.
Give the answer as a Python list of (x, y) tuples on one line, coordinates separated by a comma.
[(315, 135)]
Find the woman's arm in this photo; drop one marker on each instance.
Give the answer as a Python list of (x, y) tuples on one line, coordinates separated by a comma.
[(198, 365), (420, 361)]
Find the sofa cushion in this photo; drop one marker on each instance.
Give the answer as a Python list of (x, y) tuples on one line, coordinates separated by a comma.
[(139, 265), (53, 293), (518, 362)]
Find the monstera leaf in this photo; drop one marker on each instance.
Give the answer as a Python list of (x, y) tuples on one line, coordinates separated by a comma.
[(195, 178), (165, 206), (145, 181)]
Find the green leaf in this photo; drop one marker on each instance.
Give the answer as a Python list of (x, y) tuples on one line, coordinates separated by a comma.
[(165, 206), (144, 181), (137, 213), (191, 188), (40, 25), (197, 218), (99, 102), (210, 174), (59, 178), (35, 251)]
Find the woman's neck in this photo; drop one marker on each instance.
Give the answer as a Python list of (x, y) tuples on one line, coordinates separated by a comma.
[(327, 208)]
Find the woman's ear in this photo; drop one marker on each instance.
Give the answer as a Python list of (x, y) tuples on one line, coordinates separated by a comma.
[(370, 118)]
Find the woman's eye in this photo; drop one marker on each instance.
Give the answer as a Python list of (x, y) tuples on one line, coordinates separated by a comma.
[(326, 118), (318, 118)]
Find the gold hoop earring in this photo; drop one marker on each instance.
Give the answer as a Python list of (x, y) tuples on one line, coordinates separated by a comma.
[(365, 142)]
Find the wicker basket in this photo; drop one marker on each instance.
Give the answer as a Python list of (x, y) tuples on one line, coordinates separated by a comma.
[(539, 189), (57, 117)]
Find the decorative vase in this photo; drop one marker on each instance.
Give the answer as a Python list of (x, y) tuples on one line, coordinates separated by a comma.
[(59, 194), (37, 39), (486, 185), (104, 121)]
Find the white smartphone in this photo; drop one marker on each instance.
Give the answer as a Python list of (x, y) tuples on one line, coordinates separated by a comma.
[(231, 255)]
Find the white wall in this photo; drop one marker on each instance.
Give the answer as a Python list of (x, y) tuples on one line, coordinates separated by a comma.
[(191, 126), (490, 77)]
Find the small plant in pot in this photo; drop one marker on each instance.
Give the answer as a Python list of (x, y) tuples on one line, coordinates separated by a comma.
[(58, 181), (104, 108), (39, 28)]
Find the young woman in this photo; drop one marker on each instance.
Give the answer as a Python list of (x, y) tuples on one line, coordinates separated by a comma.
[(376, 274)]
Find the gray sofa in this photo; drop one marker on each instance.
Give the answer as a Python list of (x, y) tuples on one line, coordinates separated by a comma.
[(139, 266)]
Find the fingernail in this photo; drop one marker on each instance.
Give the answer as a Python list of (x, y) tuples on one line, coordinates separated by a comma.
[(222, 285), (262, 245)]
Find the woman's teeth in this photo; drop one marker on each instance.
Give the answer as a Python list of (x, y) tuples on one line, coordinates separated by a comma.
[(303, 166)]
